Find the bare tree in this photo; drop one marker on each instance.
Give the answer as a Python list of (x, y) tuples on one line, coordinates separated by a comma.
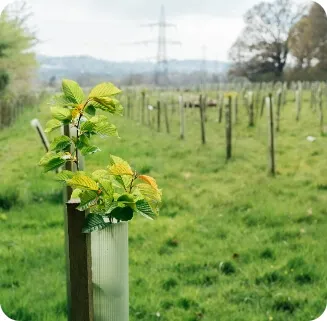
[(262, 48)]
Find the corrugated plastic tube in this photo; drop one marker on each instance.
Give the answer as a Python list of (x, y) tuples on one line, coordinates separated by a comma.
[(109, 249)]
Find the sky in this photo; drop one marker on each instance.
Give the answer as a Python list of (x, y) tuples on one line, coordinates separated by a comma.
[(113, 30)]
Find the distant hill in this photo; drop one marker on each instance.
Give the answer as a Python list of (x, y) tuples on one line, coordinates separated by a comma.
[(78, 67)]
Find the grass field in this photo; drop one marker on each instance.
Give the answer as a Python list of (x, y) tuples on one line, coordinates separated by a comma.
[(231, 244)]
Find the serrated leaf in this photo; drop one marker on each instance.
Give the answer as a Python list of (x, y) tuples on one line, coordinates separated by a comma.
[(105, 89), (73, 92), (94, 222), (149, 192), (144, 208), (120, 169), (61, 113), (88, 199), (88, 126), (62, 100), (150, 180), (60, 143), (52, 125), (89, 109), (76, 193), (52, 161), (110, 105), (122, 213), (83, 141), (106, 187), (106, 129), (89, 150), (99, 119), (64, 175), (101, 173), (83, 182)]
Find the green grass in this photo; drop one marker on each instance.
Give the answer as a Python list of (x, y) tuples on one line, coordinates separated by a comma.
[(232, 243)]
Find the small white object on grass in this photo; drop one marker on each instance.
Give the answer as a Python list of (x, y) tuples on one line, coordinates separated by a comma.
[(311, 139), (150, 107)]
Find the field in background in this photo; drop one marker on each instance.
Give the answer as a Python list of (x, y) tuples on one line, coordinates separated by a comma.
[(232, 243)]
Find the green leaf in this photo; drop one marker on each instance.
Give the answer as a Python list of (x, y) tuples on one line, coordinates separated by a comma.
[(88, 199), (110, 105), (144, 208), (76, 193), (120, 169), (94, 222), (52, 161), (89, 109), (122, 213), (83, 141), (106, 129), (83, 182), (64, 175), (128, 200), (52, 125), (89, 150), (149, 193), (105, 89), (88, 126), (62, 100), (106, 187), (60, 143), (101, 173), (61, 113), (73, 92)]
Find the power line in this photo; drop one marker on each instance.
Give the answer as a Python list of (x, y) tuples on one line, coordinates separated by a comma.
[(161, 70)]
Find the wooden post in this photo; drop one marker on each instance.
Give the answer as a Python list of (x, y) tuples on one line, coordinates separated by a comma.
[(321, 111), (142, 108), (279, 104), (228, 119), (251, 108), (263, 103), (220, 108), (78, 251), (182, 117), (78, 256), (166, 118), (298, 104), (129, 107), (158, 115), (203, 134), (236, 109), (36, 124), (272, 166)]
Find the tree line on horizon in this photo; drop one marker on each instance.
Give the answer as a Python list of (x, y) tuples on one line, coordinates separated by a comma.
[(281, 41)]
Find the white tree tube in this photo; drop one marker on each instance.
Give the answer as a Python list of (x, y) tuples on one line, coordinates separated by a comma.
[(110, 273)]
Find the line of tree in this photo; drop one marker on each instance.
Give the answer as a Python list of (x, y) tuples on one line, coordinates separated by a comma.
[(17, 61), (281, 40)]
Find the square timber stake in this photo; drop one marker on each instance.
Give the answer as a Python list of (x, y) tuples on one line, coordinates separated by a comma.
[(78, 258)]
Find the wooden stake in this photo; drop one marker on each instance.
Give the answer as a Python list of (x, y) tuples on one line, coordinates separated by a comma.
[(228, 119), (272, 166), (158, 115), (279, 104), (79, 269), (166, 118), (182, 117), (321, 111), (143, 108), (202, 120)]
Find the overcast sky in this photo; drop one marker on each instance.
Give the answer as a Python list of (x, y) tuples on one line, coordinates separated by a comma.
[(106, 28)]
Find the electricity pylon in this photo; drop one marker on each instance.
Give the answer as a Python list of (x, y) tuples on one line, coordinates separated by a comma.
[(161, 69)]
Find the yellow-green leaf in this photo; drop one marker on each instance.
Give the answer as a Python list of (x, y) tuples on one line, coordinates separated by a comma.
[(73, 92), (120, 169), (105, 89), (83, 182)]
